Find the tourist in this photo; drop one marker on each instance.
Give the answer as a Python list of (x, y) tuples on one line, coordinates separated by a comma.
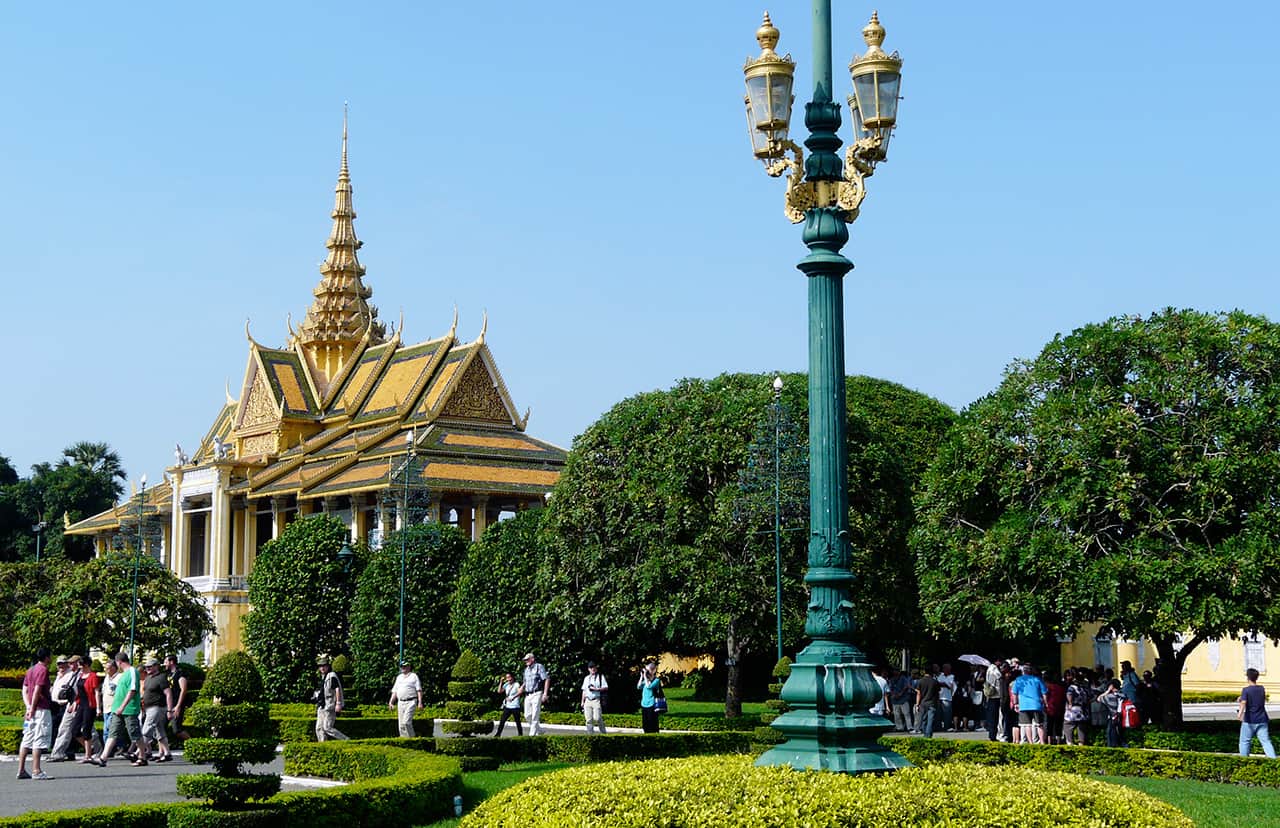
[(649, 684), (1148, 699), (1031, 697), (903, 700), (1055, 708), (177, 696), (328, 701), (406, 698), (512, 690), (109, 682), (1129, 683), (156, 705), (928, 703), (537, 686), (946, 696), (93, 690), (1253, 716), (37, 717), (1111, 698), (126, 707), (1075, 716), (83, 709), (62, 693), (595, 688), (881, 707), (991, 699)]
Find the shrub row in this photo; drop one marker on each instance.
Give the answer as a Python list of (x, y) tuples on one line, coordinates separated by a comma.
[(729, 791), (304, 729), (1202, 767), (388, 787), (478, 754), (745, 722), (1205, 696)]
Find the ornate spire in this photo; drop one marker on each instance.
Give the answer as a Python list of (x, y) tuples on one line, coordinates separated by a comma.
[(340, 314)]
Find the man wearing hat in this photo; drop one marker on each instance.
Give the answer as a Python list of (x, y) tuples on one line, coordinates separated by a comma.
[(594, 688), (63, 694), (407, 693), (328, 701), (537, 684)]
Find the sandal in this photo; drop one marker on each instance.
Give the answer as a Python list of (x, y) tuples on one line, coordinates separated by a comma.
[(141, 763)]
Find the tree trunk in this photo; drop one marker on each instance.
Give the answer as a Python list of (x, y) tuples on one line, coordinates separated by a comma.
[(1169, 676), (733, 676)]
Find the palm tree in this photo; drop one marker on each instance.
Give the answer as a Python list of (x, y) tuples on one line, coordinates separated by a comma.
[(96, 457)]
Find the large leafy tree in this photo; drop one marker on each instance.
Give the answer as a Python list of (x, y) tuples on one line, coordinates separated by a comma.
[(301, 599), (432, 555), (75, 607), (510, 600), (655, 553), (1126, 475)]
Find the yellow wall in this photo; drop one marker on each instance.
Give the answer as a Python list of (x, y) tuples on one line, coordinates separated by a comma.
[(1211, 666)]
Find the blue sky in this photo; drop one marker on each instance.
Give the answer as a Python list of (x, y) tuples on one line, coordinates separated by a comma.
[(582, 172)]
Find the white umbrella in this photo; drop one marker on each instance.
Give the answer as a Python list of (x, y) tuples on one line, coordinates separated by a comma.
[(976, 660)]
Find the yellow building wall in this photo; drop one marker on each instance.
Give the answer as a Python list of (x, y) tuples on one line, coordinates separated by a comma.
[(229, 619), (1212, 666)]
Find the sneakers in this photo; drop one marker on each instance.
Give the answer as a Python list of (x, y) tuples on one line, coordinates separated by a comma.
[(42, 775), (22, 774)]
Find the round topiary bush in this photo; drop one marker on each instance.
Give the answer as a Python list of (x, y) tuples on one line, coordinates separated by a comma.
[(468, 699), (233, 679), (721, 791), (239, 726)]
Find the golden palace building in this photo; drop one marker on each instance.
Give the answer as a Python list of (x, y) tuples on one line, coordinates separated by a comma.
[(333, 423)]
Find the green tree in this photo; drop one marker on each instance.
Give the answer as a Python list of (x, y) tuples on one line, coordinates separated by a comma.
[(434, 554), (654, 552), (507, 603), (301, 599), (1126, 475), (75, 607), (99, 459)]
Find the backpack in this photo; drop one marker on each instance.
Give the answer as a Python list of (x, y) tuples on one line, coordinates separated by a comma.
[(1128, 714)]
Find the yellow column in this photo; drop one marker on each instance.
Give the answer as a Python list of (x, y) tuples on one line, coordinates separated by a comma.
[(178, 529), (219, 533), (480, 507)]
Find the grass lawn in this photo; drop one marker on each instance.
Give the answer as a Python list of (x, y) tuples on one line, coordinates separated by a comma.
[(681, 702), (480, 785), (1212, 805)]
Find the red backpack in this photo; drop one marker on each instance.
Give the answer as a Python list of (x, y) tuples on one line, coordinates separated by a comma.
[(1129, 714)]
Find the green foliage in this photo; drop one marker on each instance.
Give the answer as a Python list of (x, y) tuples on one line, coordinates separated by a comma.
[(293, 729), (466, 668), (112, 816), (234, 679), (1125, 475), (782, 670), (216, 719), (230, 751), (469, 698), (228, 791), (1209, 804), (655, 552), (1205, 767), (730, 791), (582, 748), (433, 556), (75, 607), (341, 663), (504, 606), (300, 598)]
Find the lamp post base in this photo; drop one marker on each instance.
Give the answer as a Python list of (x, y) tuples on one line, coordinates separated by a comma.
[(828, 727)]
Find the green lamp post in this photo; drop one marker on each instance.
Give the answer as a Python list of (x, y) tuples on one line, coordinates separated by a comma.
[(831, 688), (137, 561)]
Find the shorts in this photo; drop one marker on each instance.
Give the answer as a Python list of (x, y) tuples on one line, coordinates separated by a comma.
[(122, 722), (1029, 717), (37, 732)]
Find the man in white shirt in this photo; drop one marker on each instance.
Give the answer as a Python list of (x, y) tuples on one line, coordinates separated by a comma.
[(594, 687), (537, 684), (946, 694), (407, 693)]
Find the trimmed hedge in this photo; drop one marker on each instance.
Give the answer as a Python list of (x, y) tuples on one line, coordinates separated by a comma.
[(1201, 767), (670, 721), (11, 702), (730, 791), (582, 748), (304, 729), (389, 787), (229, 751)]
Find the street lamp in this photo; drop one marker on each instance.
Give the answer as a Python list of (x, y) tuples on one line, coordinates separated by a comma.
[(830, 688), (777, 505), (404, 539), (137, 560), (39, 530)]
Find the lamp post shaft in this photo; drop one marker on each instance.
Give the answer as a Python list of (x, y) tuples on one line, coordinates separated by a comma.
[(137, 560), (777, 513), (830, 689), (404, 528)]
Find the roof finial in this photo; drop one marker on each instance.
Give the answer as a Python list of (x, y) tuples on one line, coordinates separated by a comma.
[(344, 170)]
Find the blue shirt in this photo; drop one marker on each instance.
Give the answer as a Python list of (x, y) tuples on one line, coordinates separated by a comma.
[(1029, 690), (646, 691)]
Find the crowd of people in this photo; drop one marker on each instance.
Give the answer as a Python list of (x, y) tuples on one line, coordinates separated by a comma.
[(138, 711)]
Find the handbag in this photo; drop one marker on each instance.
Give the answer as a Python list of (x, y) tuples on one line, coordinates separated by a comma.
[(659, 701)]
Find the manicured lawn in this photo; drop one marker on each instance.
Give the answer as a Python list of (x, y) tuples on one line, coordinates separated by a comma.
[(1211, 805), (480, 785), (681, 702)]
